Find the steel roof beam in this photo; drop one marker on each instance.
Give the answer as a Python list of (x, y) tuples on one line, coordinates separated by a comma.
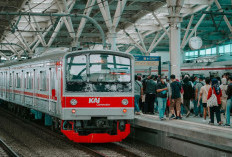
[(187, 31), (87, 11), (161, 25), (195, 28), (135, 42), (153, 42), (112, 25), (118, 13), (224, 17), (44, 34), (12, 48), (158, 41), (3, 55), (39, 34), (23, 42), (141, 39), (58, 27), (62, 7)]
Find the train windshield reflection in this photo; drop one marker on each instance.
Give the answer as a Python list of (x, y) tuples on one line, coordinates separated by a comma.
[(98, 73)]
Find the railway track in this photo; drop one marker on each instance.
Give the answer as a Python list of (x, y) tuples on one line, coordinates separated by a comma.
[(6, 151), (97, 150)]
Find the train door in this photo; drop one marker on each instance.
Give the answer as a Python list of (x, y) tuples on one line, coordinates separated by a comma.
[(49, 90), (22, 87), (52, 90), (58, 89)]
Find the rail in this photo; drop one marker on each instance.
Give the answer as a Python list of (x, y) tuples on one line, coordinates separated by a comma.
[(7, 149), (92, 149)]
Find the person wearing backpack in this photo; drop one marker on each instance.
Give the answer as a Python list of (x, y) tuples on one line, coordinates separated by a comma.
[(203, 95), (198, 108), (187, 96), (229, 102), (162, 97), (215, 89), (150, 95), (175, 98)]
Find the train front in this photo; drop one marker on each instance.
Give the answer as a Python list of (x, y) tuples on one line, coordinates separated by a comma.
[(98, 99)]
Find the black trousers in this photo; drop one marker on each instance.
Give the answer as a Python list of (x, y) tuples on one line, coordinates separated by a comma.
[(149, 103), (217, 110)]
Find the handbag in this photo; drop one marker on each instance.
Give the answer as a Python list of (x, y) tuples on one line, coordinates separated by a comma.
[(212, 101)]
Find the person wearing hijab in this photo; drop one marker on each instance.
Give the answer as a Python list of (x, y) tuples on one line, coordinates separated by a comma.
[(215, 89)]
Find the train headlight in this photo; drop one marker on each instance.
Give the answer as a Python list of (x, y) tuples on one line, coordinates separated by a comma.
[(125, 102), (73, 102)]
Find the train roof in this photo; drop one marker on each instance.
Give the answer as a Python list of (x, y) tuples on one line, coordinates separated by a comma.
[(55, 56)]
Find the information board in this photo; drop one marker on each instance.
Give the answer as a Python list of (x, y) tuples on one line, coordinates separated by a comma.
[(147, 60)]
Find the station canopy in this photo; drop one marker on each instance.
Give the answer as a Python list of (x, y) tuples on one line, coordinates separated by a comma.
[(140, 26)]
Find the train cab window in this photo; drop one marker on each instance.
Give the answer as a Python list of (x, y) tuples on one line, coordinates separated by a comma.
[(76, 74), (17, 81), (43, 81), (98, 73), (109, 68)]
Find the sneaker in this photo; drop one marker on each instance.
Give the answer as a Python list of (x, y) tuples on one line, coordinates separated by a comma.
[(220, 123), (204, 120), (195, 116), (211, 123), (137, 113), (172, 116), (227, 125), (178, 117), (162, 119), (187, 115)]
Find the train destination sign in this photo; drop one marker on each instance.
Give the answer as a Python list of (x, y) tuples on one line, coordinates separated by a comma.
[(147, 60)]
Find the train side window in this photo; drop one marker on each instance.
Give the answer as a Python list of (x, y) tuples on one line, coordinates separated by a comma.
[(1, 79), (52, 80), (28, 81), (43, 81), (17, 81), (11, 79)]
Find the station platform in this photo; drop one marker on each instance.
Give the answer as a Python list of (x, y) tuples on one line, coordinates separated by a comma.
[(188, 137)]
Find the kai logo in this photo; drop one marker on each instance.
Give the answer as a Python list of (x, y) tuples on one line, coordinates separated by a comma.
[(94, 100)]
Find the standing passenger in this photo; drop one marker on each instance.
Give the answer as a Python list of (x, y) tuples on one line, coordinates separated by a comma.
[(169, 97), (138, 94), (188, 93), (198, 108), (223, 87), (150, 95), (203, 95), (229, 102), (215, 89), (162, 97), (175, 98)]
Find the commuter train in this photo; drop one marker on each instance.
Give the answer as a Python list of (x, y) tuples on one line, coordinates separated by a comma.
[(87, 95), (208, 69)]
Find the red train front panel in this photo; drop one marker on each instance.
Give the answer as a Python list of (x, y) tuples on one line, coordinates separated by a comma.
[(97, 98)]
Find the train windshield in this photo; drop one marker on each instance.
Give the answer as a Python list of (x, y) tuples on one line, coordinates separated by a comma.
[(98, 73)]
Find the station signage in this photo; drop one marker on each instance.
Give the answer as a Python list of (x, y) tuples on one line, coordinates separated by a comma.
[(147, 60)]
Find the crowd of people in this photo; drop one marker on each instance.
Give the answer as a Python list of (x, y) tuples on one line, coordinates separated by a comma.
[(174, 97)]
